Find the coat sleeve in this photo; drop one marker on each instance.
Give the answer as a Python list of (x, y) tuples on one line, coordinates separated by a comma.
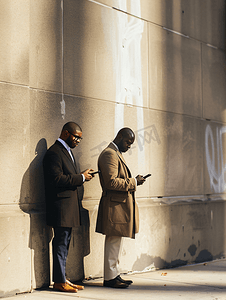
[(112, 177), (56, 176)]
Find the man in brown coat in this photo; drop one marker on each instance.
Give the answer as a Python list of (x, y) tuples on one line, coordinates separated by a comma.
[(118, 211)]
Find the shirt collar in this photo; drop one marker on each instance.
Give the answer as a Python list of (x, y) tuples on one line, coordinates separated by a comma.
[(115, 146), (64, 144)]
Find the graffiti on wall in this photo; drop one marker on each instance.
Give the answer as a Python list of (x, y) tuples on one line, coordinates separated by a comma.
[(144, 136), (215, 158)]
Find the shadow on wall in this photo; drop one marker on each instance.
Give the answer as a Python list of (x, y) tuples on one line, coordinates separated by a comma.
[(159, 263), (32, 202)]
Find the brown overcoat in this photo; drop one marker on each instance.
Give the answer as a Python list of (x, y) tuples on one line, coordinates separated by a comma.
[(118, 211)]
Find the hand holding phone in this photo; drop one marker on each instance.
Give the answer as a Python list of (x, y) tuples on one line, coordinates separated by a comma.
[(140, 179), (88, 174)]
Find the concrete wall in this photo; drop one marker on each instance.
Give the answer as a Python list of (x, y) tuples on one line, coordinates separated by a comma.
[(156, 66)]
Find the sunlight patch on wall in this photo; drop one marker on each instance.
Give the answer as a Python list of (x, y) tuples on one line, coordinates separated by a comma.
[(215, 158), (129, 69)]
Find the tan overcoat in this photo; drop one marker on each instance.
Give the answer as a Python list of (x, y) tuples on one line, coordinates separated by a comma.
[(118, 211)]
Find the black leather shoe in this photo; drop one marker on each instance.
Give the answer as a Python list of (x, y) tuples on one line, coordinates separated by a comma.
[(79, 282), (115, 283), (124, 281)]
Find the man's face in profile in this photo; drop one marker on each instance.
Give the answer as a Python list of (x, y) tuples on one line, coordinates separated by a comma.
[(125, 143), (74, 138)]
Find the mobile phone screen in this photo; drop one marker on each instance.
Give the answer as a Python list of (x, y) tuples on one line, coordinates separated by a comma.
[(92, 173), (146, 176)]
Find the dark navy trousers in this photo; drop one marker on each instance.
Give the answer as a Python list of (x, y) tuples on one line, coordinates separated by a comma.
[(61, 242)]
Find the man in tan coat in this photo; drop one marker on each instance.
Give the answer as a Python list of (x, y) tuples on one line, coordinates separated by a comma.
[(118, 211)]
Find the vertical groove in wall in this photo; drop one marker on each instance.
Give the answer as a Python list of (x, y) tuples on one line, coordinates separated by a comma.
[(62, 10), (204, 156), (148, 75), (201, 82), (62, 64)]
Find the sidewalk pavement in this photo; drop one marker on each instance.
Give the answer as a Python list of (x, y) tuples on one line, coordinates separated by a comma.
[(199, 281)]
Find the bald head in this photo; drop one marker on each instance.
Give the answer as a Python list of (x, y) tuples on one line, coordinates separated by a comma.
[(124, 139), (125, 132)]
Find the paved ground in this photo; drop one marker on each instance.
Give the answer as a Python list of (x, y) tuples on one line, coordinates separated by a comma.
[(201, 281)]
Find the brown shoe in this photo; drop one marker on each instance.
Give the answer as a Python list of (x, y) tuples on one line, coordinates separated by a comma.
[(64, 287), (75, 286)]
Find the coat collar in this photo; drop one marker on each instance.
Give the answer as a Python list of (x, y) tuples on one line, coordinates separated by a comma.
[(66, 153), (112, 146)]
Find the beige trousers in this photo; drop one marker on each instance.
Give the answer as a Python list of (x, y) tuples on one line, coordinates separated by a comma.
[(112, 249)]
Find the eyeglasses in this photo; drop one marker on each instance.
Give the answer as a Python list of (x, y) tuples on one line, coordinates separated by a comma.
[(78, 138)]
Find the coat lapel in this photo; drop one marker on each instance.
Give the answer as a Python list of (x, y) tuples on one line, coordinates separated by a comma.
[(112, 146), (64, 150)]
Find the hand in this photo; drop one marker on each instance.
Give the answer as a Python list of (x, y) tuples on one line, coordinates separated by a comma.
[(140, 179), (88, 176)]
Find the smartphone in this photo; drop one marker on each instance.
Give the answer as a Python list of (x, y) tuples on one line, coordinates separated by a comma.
[(146, 176), (95, 172)]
